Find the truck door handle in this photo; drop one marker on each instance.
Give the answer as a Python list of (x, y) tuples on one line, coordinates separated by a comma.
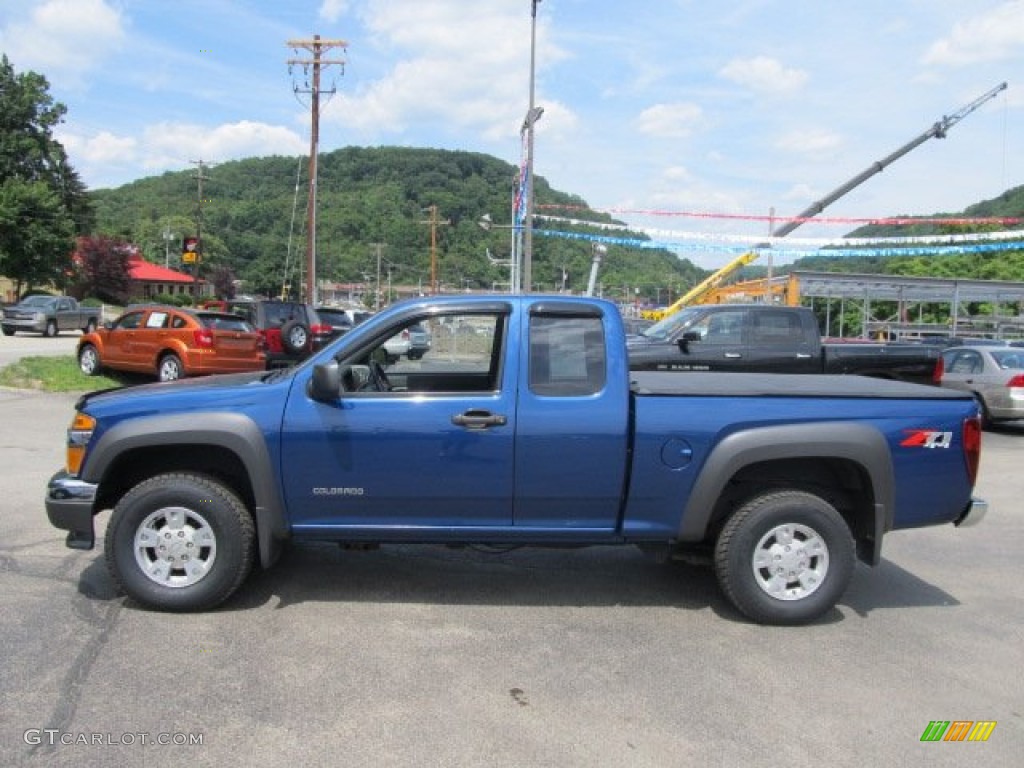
[(732, 355), (802, 355), (479, 419)]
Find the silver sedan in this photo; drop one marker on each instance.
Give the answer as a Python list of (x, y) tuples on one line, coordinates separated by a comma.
[(994, 374)]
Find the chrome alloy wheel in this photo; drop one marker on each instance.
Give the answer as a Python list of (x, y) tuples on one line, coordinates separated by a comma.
[(175, 547), (790, 562)]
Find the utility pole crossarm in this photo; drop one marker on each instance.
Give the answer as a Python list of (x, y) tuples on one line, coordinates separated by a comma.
[(937, 131)]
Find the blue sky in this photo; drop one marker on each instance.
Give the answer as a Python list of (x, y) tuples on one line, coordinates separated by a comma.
[(670, 106)]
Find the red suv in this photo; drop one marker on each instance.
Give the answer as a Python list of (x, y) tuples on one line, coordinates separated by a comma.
[(291, 330)]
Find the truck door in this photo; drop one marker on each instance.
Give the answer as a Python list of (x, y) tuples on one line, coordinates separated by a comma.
[(423, 444), (66, 317), (778, 341), (573, 421), (713, 343)]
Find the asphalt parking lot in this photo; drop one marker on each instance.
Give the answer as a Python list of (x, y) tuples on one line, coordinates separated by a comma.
[(413, 656)]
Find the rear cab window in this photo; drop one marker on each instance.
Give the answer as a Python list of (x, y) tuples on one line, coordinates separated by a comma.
[(567, 355)]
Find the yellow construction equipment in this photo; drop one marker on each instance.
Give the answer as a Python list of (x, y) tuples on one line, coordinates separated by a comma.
[(707, 285)]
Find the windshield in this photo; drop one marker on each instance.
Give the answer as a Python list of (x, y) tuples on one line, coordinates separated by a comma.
[(669, 326), (38, 301)]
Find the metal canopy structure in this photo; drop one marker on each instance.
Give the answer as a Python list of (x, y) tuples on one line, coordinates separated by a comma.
[(1005, 296), (835, 285)]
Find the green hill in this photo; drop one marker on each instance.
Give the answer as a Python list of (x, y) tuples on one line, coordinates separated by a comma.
[(253, 218)]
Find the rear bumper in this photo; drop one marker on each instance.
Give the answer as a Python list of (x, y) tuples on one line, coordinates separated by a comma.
[(69, 505), (973, 515)]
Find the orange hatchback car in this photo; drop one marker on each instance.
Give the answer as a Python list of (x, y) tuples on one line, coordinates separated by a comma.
[(172, 343)]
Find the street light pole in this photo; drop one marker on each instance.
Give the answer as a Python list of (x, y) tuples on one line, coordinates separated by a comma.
[(532, 116)]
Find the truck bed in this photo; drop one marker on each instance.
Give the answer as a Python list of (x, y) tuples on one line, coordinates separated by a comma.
[(669, 383)]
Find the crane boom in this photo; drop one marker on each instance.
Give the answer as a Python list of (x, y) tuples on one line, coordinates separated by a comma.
[(937, 130)]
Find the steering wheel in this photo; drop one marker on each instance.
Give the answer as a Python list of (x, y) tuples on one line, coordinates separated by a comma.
[(379, 378)]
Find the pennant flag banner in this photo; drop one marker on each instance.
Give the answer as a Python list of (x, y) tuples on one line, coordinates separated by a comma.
[(786, 252), (811, 242), (961, 221)]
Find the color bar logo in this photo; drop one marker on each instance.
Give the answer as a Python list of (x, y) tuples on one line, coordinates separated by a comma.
[(958, 730)]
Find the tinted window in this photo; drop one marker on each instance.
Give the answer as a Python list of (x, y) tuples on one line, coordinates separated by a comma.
[(131, 320), (567, 356), (224, 323), (777, 328)]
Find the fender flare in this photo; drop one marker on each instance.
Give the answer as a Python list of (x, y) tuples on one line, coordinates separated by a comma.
[(861, 444), (231, 431)]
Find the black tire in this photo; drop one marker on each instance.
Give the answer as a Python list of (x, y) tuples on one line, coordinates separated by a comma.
[(8, 330), (807, 545), (170, 368), (208, 537), (295, 337), (90, 327), (89, 360), (986, 417), (51, 329)]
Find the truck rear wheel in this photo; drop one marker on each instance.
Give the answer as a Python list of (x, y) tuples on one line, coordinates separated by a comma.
[(784, 557), (180, 542)]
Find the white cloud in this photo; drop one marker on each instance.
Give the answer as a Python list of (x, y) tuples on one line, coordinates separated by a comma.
[(332, 10), (464, 66), (64, 38), (176, 144), (809, 141), (992, 36), (764, 74), (103, 148), (670, 120)]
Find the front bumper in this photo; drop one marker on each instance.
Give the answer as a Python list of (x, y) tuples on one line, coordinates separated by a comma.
[(973, 515), (69, 505), (25, 324)]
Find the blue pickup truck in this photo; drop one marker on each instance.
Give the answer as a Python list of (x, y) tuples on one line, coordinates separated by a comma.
[(521, 426)]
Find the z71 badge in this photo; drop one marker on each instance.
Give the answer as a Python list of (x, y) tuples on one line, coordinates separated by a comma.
[(926, 438)]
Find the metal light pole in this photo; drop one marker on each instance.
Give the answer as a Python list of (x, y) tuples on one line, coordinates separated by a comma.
[(532, 116), (168, 236)]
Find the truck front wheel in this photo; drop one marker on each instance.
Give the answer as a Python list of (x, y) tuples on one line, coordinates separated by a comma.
[(180, 542), (784, 557)]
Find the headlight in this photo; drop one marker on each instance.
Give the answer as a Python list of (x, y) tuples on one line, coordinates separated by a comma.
[(79, 435)]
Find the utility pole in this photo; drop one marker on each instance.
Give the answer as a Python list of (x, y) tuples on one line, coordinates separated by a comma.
[(434, 223), (316, 47), (533, 114), (378, 247), (200, 178)]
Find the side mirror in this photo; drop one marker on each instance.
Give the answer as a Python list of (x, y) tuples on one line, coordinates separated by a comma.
[(685, 339), (325, 385), (108, 324)]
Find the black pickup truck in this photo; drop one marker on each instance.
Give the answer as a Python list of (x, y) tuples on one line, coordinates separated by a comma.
[(770, 339)]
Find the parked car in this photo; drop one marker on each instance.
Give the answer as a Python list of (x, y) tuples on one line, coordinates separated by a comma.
[(413, 342), (340, 320), (172, 343), (995, 375), (291, 330), (49, 315)]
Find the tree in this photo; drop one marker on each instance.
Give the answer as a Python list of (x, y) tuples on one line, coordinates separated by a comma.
[(102, 266), (35, 234), (42, 199)]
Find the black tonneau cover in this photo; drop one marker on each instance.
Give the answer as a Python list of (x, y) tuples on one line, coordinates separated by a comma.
[(704, 384)]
